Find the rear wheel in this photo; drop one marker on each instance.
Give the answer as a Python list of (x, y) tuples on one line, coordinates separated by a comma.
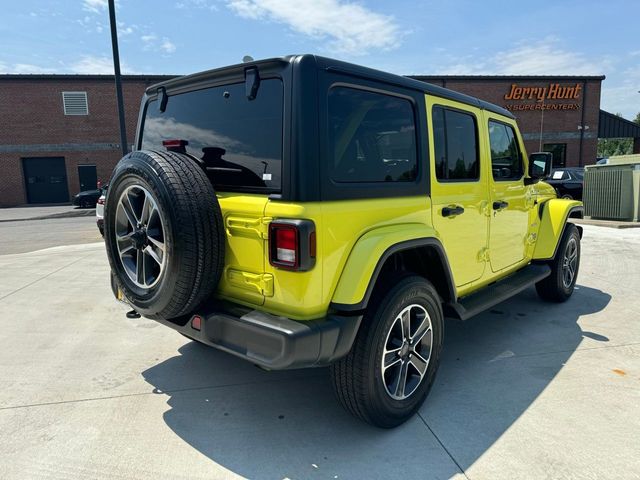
[(164, 233), (559, 286), (387, 375)]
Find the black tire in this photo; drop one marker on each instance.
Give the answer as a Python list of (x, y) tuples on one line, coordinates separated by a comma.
[(358, 379), (556, 288), (192, 226)]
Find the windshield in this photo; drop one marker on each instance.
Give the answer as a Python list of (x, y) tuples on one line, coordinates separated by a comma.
[(239, 140)]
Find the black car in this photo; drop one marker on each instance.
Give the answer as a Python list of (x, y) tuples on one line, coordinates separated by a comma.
[(568, 182), (87, 199)]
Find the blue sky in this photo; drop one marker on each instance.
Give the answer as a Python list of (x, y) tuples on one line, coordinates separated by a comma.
[(406, 37)]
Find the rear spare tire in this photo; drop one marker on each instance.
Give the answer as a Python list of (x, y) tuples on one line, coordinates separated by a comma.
[(164, 233)]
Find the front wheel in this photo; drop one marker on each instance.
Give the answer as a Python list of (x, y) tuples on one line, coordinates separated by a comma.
[(559, 286), (387, 375)]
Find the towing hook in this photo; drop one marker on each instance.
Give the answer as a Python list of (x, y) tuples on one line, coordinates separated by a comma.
[(133, 314)]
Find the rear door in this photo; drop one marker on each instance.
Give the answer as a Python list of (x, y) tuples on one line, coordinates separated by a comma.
[(458, 187), (511, 201)]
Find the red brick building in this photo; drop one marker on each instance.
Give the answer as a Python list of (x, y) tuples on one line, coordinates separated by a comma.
[(59, 130), (60, 133), (558, 114)]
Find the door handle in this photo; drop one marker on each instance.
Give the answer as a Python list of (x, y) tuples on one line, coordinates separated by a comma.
[(499, 205), (452, 211)]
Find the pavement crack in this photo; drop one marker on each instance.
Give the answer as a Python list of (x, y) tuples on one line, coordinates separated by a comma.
[(574, 350), (443, 447), (154, 391), (42, 278)]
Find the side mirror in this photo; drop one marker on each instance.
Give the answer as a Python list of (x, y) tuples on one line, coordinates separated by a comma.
[(539, 166)]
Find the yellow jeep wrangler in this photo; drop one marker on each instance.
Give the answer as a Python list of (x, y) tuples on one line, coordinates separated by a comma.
[(304, 212)]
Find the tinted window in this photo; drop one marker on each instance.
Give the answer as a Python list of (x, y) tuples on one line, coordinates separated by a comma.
[(455, 144), (505, 154), (240, 141), (372, 137)]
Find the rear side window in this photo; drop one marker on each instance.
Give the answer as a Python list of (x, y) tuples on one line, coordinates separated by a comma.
[(372, 137), (238, 140), (506, 161), (455, 141)]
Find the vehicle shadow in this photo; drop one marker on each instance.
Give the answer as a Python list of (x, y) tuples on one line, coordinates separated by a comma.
[(288, 425)]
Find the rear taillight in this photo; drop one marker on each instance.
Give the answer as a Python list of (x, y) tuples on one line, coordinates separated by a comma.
[(101, 201), (175, 145), (286, 239), (292, 244)]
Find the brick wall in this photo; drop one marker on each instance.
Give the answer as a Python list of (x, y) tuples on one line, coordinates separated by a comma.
[(33, 124), (559, 126)]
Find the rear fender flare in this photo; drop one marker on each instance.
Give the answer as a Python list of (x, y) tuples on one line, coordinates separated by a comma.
[(361, 270)]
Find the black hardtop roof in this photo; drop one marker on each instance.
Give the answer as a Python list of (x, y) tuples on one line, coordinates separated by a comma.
[(337, 66)]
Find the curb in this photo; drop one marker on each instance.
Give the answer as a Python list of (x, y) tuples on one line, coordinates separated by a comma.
[(606, 223), (70, 214)]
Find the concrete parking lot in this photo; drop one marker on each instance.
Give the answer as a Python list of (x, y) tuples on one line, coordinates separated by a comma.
[(527, 390)]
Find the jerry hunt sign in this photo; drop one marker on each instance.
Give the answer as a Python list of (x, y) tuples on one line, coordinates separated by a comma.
[(554, 91)]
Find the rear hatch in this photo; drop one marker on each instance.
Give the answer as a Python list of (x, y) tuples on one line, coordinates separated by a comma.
[(239, 141)]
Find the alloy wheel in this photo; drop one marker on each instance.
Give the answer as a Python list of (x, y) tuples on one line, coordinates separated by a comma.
[(407, 351), (569, 262), (140, 236)]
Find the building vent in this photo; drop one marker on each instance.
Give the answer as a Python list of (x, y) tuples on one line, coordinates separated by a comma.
[(75, 103)]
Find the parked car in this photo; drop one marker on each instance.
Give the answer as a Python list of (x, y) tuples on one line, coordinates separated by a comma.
[(100, 210), (568, 182), (87, 199), (303, 212)]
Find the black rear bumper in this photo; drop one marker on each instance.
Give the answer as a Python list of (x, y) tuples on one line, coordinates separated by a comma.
[(275, 343)]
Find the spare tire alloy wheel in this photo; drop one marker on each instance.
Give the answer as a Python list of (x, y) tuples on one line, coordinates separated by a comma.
[(140, 236), (164, 233), (407, 351)]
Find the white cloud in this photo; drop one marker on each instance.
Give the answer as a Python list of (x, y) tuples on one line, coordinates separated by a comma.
[(21, 68), (167, 46), (545, 57), (94, 6), (197, 4), (90, 64), (350, 27), (624, 96), (151, 42)]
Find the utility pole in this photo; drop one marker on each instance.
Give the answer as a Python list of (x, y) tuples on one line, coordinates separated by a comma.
[(116, 69)]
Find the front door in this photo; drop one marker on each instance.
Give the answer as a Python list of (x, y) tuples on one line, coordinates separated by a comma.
[(88, 177), (510, 204), (458, 188)]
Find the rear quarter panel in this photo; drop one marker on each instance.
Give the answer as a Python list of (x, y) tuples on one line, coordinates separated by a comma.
[(340, 226)]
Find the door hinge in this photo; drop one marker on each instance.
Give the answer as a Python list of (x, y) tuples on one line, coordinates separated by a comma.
[(253, 227), (261, 283), (483, 255)]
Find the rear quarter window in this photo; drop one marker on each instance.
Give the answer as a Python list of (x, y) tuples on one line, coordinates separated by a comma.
[(238, 140), (372, 137)]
